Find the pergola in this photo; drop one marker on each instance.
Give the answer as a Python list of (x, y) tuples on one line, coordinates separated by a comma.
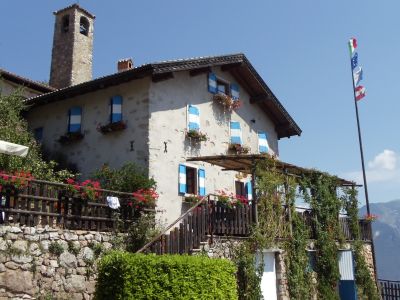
[(247, 163)]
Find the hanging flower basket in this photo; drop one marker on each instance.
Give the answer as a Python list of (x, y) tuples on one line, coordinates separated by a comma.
[(111, 127), (239, 149), (370, 217), (70, 137), (196, 136), (227, 102)]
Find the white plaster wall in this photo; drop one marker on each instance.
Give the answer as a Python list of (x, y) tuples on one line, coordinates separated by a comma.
[(168, 119), (6, 88), (96, 149)]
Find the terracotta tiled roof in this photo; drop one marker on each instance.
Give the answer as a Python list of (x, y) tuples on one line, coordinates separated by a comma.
[(34, 85), (237, 64)]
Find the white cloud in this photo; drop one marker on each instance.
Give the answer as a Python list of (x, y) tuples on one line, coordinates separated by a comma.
[(383, 168), (386, 160)]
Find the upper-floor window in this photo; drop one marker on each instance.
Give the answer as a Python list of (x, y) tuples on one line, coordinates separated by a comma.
[(193, 118), (65, 23), (262, 142), (74, 119), (116, 109), (217, 85), (84, 26)]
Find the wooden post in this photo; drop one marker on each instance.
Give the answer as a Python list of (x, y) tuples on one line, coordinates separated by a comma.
[(253, 187)]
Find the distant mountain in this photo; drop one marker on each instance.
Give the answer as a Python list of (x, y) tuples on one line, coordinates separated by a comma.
[(386, 231)]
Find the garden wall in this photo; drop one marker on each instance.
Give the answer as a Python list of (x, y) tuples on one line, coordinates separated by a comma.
[(49, 263)]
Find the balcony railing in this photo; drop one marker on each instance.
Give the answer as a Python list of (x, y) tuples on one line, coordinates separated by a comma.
[(47, 203), (209, 218)]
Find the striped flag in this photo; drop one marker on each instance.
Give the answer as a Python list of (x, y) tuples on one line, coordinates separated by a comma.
[(360, 92), (357, 75), (352, 46)]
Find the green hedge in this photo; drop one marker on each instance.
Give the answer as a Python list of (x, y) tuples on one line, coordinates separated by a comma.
[(124, 275)]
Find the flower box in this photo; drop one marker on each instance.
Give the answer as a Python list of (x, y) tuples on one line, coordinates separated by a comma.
[(70, 137), (227, 102), (192, 199), (196, 136), (239, 149), (111, 127)]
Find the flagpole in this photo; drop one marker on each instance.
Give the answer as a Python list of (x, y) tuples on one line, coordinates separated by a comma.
[(360, 143), (363, 170)]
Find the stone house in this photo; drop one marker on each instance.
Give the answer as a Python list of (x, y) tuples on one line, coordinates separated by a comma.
[(143, 115)]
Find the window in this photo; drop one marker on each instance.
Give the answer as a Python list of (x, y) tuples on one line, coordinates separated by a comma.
[(84, 26), (193, 118), (116, 109), (65, 23), (74, 119), (262, 142), (239, 188), (236, 133), (217, 85), (38, 134), (191, 180)]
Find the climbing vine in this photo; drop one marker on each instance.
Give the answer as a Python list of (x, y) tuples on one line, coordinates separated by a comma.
[(280, 224), (365, 284)]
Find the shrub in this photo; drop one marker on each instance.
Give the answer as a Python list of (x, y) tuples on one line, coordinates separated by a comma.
[(128, 178), (56, 248), (124, 275)]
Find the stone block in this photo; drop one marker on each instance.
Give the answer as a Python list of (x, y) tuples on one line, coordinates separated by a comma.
[(75, 284), (20, 245), (17, 281), (29, 230), (15, 229), (68, 260), (69, 236), (88, 254), (2, 268), (21, 259)]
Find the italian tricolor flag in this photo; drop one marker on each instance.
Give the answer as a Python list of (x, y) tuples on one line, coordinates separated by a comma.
[(352, 45)]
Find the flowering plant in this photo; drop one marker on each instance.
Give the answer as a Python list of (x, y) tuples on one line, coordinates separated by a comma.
[(70, 137), (370, 217), (87, 189), (231, 200), (239, 149), (115, 126), (19, 179), (197, 135), (227, 102), (145, 198)]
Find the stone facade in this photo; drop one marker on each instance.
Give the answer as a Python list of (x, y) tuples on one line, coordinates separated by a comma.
[(45, 262), (72, 54)]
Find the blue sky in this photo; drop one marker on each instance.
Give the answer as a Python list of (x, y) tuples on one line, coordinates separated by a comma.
[(298, 47)]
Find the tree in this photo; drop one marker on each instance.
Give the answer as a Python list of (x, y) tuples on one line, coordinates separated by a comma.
[(14, 129)]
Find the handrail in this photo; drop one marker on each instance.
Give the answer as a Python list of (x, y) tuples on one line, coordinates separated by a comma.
[(202, 200)]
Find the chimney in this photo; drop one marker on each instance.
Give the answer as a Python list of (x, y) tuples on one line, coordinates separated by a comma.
[(125, 64)]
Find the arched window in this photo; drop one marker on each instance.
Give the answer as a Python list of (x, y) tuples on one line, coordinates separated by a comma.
[(65, 23), (84, 26)]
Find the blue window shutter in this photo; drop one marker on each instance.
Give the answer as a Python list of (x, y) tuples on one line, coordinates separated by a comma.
[(236, 133), (249, 190), (194, 118), (262, 142), (202, 182), (75, 119), (182, 179), (234, 91), (116, 109), (212, 83)]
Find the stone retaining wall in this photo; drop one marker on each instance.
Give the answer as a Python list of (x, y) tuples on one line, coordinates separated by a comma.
[(48, 263)]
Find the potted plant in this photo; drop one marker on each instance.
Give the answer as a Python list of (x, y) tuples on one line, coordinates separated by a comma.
[(196, 136), (144, 198), (111, 127), (70, 137), (239, 149), (227, 102)]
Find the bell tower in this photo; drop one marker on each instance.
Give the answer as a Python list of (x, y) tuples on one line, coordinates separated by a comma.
[(72, 54)]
